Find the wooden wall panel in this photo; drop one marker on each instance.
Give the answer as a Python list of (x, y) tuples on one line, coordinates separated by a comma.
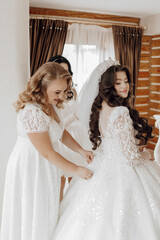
[(142, 93), (152, 112), (142, 100), (145, 47), (146, 39), (148, 86), (145, 57), (155, 52), (155, 79), (156, 43), (154, 140), (144, 114), (152, 121), (151, 145), (143, 83), (154, 99), (155, 76), (144, 65), (155, 61), (144, 74), (154, 88), (155, 70), (142, 108), (155, 105)]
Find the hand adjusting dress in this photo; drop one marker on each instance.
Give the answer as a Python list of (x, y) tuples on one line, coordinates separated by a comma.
[(31, 197), (122, 199), (78, 132)]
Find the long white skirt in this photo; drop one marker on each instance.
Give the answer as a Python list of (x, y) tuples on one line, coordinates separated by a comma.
[(31, 197)]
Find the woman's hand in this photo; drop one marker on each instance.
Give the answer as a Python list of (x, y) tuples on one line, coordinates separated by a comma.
[(83, 173), (88, 155)]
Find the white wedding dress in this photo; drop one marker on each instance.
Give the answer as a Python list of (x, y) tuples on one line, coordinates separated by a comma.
[(122, 199), (32, 188)]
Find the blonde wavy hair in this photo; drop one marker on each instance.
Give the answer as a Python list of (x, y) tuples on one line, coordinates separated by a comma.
[(35, 91)]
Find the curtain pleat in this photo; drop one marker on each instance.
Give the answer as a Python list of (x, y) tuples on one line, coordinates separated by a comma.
[(127, 44), (47, 39)]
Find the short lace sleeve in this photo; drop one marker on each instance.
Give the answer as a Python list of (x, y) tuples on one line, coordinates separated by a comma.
[(124, 127), (34, 119)]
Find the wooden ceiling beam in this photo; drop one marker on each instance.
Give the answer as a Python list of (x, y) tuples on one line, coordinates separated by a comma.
[(83, 15)]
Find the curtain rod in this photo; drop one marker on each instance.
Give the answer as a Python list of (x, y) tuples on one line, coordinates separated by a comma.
[(86, 21)]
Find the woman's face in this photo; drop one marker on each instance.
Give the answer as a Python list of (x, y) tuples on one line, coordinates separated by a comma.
[(56, 91), (122, 84)]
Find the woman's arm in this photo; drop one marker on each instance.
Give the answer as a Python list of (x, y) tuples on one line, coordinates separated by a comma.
[(71, 143), (42, 143)]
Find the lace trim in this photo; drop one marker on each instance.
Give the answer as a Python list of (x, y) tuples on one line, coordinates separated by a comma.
[(34, 119)]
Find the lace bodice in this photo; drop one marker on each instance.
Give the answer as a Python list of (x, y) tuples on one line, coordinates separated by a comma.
[(116, 125), (32, 119)]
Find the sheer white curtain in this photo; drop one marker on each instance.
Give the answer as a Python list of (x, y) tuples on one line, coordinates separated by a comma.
[(86, 46)]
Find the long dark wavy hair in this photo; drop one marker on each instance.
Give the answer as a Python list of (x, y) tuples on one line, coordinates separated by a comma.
[(108, 93)]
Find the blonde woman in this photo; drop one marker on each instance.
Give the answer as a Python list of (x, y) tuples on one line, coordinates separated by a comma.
[(32, 188), (72, 125)]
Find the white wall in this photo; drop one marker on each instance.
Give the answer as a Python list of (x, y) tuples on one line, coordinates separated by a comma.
[(14, 64), (152, 23)]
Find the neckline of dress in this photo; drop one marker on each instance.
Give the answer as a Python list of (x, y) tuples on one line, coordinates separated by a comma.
[(60, 122)]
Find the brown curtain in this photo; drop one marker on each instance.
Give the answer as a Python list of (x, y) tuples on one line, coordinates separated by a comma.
[(47, 38), (127, 44)]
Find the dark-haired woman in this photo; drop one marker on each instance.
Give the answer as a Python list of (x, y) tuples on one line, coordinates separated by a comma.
[(122, 199), (63, 62)]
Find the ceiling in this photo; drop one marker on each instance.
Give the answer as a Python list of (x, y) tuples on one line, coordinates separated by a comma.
[(134, 8)]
